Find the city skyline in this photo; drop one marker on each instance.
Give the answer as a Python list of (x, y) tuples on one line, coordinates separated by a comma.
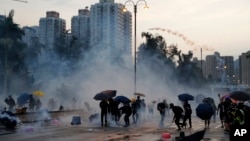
[(219, 25)]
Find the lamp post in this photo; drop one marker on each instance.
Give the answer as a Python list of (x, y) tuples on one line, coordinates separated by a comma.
[(135, 11)]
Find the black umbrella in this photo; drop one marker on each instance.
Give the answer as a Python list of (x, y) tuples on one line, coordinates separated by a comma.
[(23, 99), (105, 95), (185, 97), (240, 96), (122, 99), (204, 111), (197, 136)]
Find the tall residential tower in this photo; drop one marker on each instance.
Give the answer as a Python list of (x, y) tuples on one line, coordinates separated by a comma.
[(51, 29), (110, 28), (80, 26)]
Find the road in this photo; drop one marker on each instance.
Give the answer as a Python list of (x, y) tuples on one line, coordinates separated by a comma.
[(146, 131)]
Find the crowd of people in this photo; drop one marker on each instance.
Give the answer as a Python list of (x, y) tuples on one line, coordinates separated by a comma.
[(34, 104), (233, 114), (136, 111), (230, 113), (111, 107)]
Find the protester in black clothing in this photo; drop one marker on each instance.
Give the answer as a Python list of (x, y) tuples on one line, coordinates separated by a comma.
[(134, 111), (177, 110), (228, 115), (187, 114), (136, 106), (161, 107), (126, 109), (114, 110), (104, 111), (221, 111), (10, 102)]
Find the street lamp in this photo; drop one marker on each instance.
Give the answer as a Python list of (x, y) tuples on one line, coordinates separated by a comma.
[(135, 11)]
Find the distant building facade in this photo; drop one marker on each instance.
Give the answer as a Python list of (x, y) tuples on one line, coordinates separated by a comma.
[(244, 68), (51, 29), (80, 26), (110, 28), (219, 68)]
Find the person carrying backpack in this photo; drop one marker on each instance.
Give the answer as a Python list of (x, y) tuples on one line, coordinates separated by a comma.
[(177, 110)]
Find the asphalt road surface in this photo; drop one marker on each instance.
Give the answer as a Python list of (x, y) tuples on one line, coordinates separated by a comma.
[(147, 130)]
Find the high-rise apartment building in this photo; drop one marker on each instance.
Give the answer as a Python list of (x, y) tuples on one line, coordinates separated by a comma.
[(80, 26), (229, 69), (110, 28), (220, 68), (210, 67), (244, 68), (51, 29)]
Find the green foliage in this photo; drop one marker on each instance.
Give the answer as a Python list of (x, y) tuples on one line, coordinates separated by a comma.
[(169, 62), (12, 60)]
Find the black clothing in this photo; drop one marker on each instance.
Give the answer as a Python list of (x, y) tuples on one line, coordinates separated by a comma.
[(221, 110), (114, 110), (104, 111), (127, 111), (177, 110), (10, 102), (187, 114), (134, 112), (161, 107)]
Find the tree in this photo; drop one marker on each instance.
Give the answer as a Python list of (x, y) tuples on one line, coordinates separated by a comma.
[(168, 62), (153, 55), (11, 49)]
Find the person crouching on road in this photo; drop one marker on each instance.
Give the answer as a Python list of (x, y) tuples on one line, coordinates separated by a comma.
[(177, 110), (127, 110)]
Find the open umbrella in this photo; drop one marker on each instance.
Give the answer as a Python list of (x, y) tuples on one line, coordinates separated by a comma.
[(197, 136), (38, 93), (185, 97), (122, 99), (105, 95), (204, 111), (239, 96), (23, 99), (140, 94)]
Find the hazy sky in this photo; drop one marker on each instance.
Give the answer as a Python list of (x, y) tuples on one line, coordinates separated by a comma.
[(220, 25)]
